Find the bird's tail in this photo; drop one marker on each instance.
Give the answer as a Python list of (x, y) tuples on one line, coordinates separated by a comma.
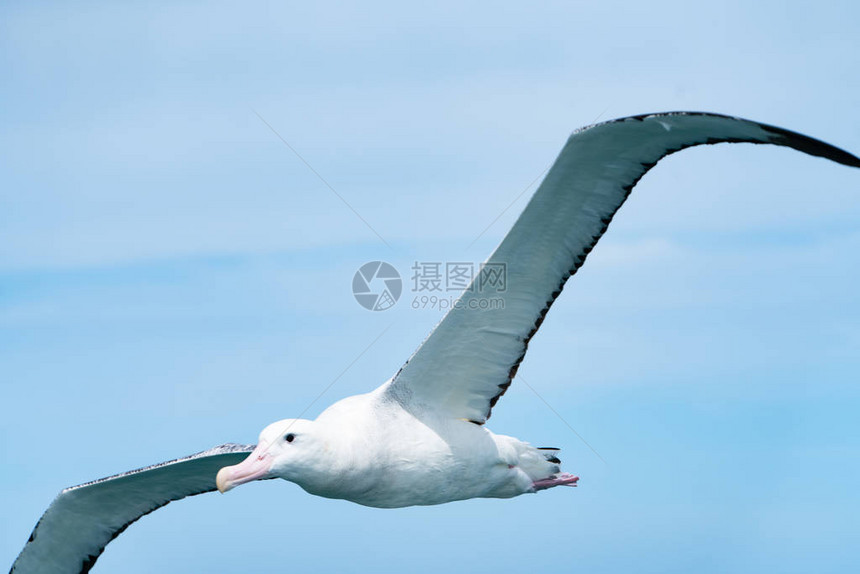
[(537, 462), (550, 453), (556, 478), (540, 462)]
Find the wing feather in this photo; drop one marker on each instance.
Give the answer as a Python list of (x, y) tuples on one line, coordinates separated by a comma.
[(471, 357), (83, 519)]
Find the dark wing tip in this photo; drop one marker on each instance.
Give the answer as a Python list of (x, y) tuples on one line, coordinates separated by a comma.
[(810, 145)]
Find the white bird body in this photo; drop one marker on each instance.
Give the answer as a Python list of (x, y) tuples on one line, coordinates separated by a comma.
[(418, 439), (370, 450)]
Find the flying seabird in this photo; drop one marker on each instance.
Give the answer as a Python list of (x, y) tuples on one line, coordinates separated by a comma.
[(419, 438)]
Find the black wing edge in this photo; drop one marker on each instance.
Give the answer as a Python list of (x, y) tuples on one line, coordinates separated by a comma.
[(89, 561)]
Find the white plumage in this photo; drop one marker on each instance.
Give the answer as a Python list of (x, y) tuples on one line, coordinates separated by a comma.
[(369, 449)]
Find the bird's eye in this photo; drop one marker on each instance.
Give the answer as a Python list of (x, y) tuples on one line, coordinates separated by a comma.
[(290, 437)]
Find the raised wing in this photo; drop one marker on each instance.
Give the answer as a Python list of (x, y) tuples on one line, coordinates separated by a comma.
[(470, 359), (75, 529)]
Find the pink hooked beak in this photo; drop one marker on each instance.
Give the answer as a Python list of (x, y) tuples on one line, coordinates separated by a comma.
[(256, 466)]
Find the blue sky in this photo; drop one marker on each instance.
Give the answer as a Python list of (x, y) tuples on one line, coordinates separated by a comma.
[(172, 277)]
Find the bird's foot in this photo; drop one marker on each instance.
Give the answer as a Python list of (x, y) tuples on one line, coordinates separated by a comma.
[(563, 479)]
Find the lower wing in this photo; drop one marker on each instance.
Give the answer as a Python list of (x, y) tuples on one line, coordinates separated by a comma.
[(83, 519)]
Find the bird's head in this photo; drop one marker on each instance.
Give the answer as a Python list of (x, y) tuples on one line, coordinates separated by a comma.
[(284, 450)]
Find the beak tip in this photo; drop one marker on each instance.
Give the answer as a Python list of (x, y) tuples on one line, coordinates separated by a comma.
[(222, 482), (255, 466)]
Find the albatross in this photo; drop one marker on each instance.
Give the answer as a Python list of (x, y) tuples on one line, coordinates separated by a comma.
[(419, 438)]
